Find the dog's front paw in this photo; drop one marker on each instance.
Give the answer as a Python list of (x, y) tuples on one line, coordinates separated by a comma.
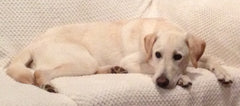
[(117, 69), (222, 75), (224, 78), (184, 81)]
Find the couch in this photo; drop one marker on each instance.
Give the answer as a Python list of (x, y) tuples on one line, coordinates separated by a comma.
[(217, 22)]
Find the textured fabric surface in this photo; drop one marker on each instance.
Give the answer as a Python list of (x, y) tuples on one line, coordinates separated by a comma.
[(216, 21), (16, 94), (139, 90)]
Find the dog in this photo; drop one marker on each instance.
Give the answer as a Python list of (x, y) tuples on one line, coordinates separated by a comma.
[(147, 45)]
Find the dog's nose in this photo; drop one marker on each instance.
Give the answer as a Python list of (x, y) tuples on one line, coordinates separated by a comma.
[(162, 81)]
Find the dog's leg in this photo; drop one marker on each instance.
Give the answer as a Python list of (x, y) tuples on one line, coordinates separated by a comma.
[(136, 63), (129, 64), (43, 77), (85, 66), (210, 63)]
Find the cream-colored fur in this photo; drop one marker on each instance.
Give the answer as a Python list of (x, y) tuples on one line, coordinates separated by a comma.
[(84, 49)]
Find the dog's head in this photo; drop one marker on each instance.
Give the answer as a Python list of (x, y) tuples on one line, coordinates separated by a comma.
[(169, 55)]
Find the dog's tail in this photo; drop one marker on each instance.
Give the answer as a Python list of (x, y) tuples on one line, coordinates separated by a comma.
[(19, 69)]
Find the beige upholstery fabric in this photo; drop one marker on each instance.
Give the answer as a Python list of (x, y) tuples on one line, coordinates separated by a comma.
[(216, 21), (13, 93), (138, 90)]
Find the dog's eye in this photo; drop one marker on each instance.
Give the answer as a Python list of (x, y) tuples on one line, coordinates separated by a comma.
[(158, 55), (177, 56)]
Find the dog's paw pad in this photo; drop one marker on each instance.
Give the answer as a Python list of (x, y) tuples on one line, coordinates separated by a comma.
[(117, 69), (224, 81), (184, 84), (187, 85), (50, 88), (222, 75)]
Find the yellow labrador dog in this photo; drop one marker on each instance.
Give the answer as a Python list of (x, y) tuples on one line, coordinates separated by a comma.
[(151, 46)]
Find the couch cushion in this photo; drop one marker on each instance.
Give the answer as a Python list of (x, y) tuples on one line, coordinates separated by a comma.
[(13, 93), (138, 89)]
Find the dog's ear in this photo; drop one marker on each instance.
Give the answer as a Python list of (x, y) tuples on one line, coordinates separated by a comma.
[(149, 40), (196, 48)]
